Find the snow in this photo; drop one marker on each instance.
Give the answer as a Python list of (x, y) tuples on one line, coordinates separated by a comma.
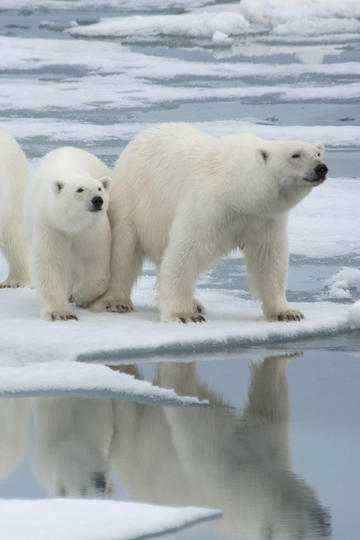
[(64, 519), (277, 17), (339, 285), (231, 322), (343, 136)]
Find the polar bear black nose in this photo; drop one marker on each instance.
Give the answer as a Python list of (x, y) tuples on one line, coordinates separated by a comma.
[(321, 170), (97, 202)]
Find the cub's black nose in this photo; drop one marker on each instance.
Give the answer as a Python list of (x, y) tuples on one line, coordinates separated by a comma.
[(97, 202), (321, 170)]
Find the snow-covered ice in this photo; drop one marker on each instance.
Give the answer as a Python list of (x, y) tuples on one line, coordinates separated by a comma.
[(77, 519)]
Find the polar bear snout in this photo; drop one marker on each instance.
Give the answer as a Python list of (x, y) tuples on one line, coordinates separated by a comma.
[(321, 171), (96, 203)]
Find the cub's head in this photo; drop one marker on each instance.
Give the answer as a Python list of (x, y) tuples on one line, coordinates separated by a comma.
[(295, 163), (77, 202)]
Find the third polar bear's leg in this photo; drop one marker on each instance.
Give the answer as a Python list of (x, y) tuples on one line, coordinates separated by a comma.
[(267, 265), (15, 249), (126, 263), (50, 273)]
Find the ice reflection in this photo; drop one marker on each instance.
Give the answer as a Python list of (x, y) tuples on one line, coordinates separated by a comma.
[(216, 458)]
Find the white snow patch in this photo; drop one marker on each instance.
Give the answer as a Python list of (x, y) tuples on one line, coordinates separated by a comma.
[(231, 321), (64, 519), (354, 315), (339, 286), (200, 24), (344, 136)]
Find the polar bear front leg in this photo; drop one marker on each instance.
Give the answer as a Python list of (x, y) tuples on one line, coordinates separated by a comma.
[(126, 261), (267, 266), (15, 249), (179, 270), (50, 258)]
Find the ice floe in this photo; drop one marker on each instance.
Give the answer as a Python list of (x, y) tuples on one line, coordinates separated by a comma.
[(62, 519)]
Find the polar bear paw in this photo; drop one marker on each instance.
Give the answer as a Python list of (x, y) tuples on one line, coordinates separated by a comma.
[(115, 305), (198, 307), (14, 283), (288, 315), (59, 316), (187, 317)]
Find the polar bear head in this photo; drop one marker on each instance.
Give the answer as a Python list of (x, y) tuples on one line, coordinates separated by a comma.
[(76, 203), (290, 169), (294, 163)]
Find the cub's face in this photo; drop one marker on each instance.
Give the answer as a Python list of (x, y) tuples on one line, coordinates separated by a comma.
[(296, 163), (78, 202)]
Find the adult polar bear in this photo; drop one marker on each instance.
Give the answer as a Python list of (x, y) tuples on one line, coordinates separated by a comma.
[(66, 216), (13, 179), (184, 199)]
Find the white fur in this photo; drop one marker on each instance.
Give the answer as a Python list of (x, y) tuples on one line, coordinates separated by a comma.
[(70, 445), (184, 199), (13, 179), (70, 243)]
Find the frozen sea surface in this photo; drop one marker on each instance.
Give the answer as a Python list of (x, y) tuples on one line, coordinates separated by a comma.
[(87, 408)]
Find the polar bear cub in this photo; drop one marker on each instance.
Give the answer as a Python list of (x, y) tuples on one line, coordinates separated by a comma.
[(66, 216), (13, 180), (183, 199)]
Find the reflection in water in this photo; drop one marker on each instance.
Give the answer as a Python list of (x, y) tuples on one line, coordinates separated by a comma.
[(210, 457), (71, 442), (213, 458), (14, 420)]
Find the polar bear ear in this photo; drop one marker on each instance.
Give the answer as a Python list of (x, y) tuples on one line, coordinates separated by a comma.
[(320, 147), (58, 186), (263, 154), (106, 182)]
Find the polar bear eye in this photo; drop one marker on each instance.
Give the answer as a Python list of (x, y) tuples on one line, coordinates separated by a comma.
[(99, 189), (80, 190), (295, 156)]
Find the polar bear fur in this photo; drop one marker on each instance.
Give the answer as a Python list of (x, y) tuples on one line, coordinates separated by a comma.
[(183, 199), (66, 215), (13, 180)]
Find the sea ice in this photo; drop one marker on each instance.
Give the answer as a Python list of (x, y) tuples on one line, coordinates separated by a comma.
[(75, 519)]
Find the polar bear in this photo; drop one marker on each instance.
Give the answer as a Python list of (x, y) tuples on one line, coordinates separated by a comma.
[(66, 216), (13, 179), (183, 199)]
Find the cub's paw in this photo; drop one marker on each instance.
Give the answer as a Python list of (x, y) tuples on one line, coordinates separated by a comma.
[(116, 305), (14, 283), (187, 317), (289, 315), (198, 307), (59, 316)]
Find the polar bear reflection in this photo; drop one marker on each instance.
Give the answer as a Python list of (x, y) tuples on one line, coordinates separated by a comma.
[(14, 422), (71, 444), (211, 457)]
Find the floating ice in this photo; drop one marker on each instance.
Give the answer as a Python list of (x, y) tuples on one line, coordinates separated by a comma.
[(339, 286), (277, 17), (62, 519)]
